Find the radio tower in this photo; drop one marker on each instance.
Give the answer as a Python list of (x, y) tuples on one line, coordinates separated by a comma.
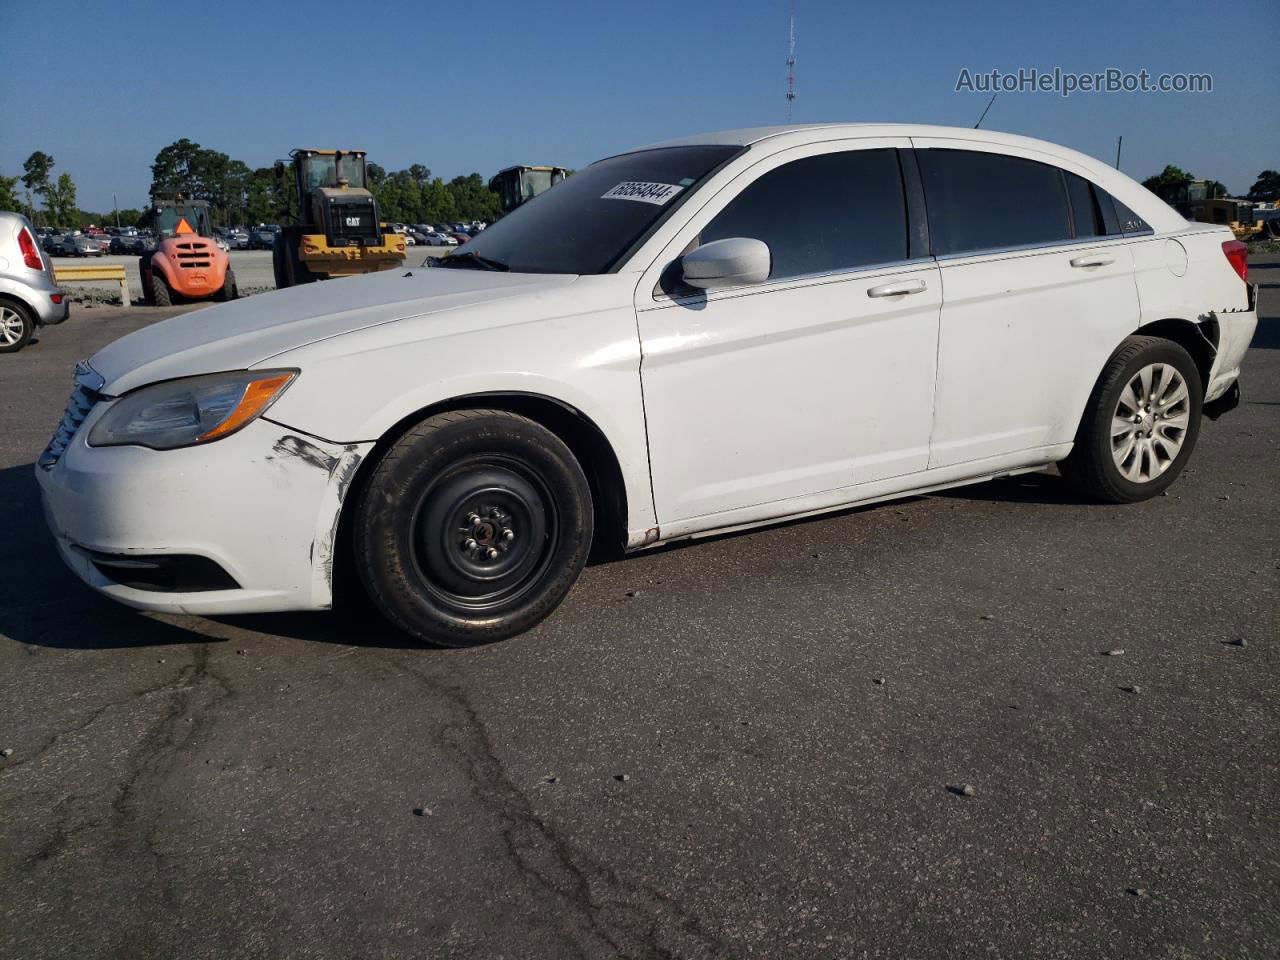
[(791, 62)]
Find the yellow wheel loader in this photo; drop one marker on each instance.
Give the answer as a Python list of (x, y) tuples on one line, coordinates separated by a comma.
[(339, 232)]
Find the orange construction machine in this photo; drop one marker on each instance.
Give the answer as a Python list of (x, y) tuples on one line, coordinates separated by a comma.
[(187, 261)]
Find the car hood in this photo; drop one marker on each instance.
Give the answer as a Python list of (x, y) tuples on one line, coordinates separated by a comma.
[(236, 336)]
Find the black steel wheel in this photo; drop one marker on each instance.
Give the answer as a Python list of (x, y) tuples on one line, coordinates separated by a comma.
[(473, 527)]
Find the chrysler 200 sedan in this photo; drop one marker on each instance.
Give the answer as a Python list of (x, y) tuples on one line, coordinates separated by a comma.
[(693, 337)]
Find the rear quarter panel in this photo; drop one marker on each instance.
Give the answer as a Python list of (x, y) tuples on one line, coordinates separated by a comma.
[(1185, 275)]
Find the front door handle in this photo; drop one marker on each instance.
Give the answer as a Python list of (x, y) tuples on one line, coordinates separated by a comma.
[(1092, 260), (896, 289)]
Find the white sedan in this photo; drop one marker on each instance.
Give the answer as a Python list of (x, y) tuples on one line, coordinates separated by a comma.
[(703, 335)]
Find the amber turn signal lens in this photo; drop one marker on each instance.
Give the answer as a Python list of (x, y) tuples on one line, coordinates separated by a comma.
[(257, 395)]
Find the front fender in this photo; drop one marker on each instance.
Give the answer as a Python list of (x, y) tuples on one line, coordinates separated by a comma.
[(356, 387)]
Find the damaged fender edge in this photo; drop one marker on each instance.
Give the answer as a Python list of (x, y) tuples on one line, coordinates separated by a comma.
[(296, 449)]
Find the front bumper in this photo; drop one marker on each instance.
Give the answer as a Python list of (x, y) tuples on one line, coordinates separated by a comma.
[(263, 504)]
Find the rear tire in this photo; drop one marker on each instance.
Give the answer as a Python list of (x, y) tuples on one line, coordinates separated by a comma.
[(473, 527), (229, 290), (1140, 425), (17, 326), (161, 295)]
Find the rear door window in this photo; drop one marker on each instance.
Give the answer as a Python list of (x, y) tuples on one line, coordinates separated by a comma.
[(986, 201), (829, 213)]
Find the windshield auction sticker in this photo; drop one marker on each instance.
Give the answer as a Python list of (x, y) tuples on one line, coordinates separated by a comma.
[(658, 193)]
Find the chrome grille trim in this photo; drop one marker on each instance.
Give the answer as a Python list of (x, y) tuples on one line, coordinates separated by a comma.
[(87, 393)]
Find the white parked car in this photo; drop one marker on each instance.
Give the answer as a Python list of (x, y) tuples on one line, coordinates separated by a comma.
[(699, 336)]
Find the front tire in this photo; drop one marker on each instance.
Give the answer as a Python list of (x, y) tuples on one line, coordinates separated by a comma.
[(1140, 425), (473, 527)]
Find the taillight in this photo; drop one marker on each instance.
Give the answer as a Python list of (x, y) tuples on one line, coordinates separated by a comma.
[(30, 255), (1237, 255)]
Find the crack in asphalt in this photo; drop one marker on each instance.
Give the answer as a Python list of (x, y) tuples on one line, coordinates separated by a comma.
[(598, 908), (148, 756)]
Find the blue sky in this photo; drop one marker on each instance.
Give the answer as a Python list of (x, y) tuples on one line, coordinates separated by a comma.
[(478, 86)]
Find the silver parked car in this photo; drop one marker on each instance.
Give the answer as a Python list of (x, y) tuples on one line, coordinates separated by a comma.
[(29, 296), (83, 245)]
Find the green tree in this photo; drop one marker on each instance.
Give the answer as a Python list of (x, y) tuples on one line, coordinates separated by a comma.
[(129, 217), (175, 167), (36, 170), (35, 177), (473, 200), (1170, 185), (9, 194), (437, 202), (60, 202), (1266, 187)]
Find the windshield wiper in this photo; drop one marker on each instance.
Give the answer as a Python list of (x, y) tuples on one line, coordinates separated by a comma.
[(468, 258)]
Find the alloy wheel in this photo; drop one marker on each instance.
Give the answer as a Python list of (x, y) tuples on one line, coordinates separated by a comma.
[(11, 326), (1149, 424)]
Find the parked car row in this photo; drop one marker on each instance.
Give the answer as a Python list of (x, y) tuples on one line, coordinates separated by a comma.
[(93, 242), (131, 241), (73, 245)]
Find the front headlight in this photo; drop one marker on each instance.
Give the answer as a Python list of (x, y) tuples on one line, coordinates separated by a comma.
[(182, 413)]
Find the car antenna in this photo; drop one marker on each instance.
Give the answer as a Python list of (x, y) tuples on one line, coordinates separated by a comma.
[(984, 112)]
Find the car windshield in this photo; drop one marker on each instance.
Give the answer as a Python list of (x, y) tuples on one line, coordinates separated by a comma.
[(584, 224)]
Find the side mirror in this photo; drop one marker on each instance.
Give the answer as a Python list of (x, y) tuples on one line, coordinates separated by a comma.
[(731, 262)]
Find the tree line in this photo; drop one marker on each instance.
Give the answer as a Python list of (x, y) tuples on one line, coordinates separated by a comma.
[(239, 195)]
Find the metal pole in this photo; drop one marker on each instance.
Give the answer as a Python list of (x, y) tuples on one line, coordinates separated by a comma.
[(1119, 143), (116, 203)]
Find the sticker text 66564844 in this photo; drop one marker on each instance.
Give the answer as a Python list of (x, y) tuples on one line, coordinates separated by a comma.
[(658, 193)]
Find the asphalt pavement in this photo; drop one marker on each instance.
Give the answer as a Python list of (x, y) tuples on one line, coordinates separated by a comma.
[(750, 746)]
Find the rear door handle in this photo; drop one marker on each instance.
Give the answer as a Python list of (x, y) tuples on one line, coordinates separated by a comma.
[(896, 289), (1092, 260)]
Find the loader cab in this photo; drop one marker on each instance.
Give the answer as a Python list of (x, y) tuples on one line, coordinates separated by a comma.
[(329, 168), (517, 185)]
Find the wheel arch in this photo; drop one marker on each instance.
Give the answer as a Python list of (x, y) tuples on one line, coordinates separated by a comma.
[(159, 264), (1198, 339), (579, 432), (14, 300)]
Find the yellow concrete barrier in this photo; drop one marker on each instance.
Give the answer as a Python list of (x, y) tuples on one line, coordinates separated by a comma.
[(91, 272)]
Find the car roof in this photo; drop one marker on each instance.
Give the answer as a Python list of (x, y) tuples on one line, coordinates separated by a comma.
[(808, 133)]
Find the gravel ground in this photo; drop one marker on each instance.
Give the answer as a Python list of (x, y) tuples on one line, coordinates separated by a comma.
[(751, 746)]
